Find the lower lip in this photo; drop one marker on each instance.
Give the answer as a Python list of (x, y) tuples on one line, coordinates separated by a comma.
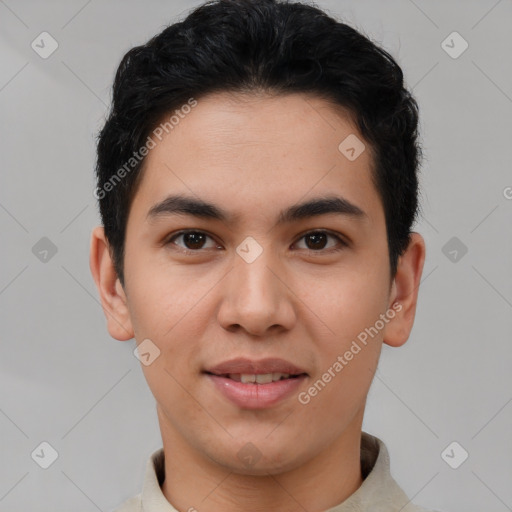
[(256, 396)]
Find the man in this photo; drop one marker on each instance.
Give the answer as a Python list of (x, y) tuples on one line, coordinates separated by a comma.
[(257, 183)]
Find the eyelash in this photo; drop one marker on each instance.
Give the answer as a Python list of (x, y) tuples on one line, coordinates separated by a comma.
[(342, 243)]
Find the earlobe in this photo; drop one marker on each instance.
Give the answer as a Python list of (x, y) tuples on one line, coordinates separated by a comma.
[(112, 296), (404, 292)]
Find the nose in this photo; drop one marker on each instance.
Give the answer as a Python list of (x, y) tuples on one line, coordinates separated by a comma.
[(256, 298)]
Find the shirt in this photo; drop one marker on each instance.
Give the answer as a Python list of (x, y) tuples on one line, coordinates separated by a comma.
[(379, 492)]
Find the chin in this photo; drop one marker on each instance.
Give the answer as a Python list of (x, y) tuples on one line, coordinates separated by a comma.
[(263, 461)]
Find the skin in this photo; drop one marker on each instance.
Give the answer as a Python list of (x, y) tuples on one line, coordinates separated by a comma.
[(254, 156)]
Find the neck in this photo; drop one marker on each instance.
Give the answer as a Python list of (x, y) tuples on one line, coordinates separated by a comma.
[(195, 482)]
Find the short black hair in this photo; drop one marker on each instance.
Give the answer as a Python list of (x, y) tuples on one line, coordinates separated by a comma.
[(270, 46)]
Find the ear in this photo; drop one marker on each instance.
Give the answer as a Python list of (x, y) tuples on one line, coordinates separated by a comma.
[(112, 295), (404, 292)]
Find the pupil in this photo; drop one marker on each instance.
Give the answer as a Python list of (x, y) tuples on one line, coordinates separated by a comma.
[(315, 237), (192, 238)]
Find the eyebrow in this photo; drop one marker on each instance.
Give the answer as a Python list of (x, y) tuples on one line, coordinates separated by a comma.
[(185, 205)]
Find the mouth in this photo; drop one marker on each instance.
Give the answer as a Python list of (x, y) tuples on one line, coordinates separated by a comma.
[(260, 378), (250, 384)]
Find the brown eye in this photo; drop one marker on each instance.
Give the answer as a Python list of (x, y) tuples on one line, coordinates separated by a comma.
[(192, 241), (316, 241)]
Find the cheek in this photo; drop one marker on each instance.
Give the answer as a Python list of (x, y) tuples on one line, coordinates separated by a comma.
[(162, 298), (349, 306), (346, 303), (349, 351), (170, 307)]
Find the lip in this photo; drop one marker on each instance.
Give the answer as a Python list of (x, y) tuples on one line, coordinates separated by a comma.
[(256, 396), (253, 367), (251, 395)]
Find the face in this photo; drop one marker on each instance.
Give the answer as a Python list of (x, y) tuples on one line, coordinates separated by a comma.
[(255, 277)]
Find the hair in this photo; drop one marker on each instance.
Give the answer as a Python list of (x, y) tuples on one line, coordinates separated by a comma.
[(250, 46)]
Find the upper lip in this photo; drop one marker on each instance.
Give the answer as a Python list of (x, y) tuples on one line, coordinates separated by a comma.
[(253, 367)]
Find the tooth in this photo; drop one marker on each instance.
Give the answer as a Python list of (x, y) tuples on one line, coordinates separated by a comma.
[(264, 378), (279, 376)]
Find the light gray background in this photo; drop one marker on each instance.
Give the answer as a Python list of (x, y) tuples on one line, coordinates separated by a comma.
[(66, 382)]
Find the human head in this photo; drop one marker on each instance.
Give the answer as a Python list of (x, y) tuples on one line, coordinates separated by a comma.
[(252, 47), (254, 150)]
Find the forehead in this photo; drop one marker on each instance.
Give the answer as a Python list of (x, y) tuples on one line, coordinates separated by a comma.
[(257, 154)]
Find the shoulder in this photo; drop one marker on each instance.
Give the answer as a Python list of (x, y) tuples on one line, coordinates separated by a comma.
[(379, 489), (130, 505)]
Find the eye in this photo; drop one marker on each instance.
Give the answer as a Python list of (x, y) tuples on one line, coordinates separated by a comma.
[(316, 241), (193, 240)]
